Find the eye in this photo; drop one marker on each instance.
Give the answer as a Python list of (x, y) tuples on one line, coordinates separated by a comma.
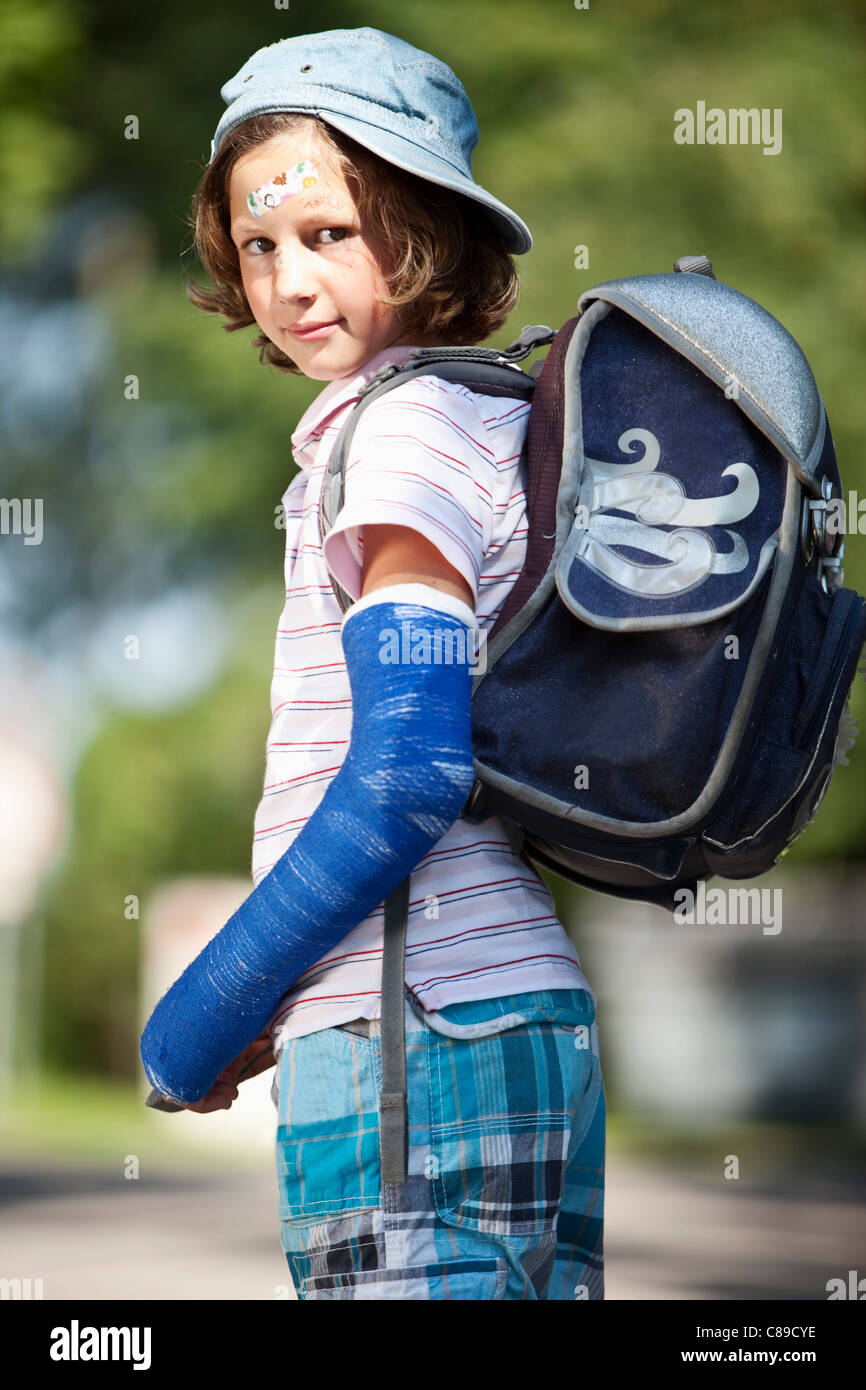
[(248, 244), (335, 235), (342, 231)]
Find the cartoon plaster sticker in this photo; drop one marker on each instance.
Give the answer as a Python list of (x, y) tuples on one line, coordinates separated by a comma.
[(281, 187)]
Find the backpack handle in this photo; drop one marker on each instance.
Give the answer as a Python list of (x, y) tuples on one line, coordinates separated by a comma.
[(695, 265)]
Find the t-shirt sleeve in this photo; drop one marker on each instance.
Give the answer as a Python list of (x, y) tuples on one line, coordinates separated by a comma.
[(419, 457)]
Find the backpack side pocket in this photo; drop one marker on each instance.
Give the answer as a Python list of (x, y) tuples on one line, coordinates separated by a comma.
[(793, 754)]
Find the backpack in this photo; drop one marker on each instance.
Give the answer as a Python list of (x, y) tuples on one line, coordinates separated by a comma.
[(665, 690)]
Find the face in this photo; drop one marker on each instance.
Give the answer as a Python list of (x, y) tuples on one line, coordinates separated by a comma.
[(305, 260)]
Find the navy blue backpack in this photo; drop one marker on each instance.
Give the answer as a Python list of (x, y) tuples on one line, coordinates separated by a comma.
[(664, 694)]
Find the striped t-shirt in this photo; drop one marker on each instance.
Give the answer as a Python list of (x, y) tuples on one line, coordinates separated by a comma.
[(446, 461)]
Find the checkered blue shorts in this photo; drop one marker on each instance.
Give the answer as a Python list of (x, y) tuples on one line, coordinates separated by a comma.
[(505, 1192)]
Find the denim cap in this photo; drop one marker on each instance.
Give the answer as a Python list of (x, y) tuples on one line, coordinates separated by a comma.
[(397, 101)]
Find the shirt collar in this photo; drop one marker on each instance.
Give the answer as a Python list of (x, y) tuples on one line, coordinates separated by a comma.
[(337, 394)]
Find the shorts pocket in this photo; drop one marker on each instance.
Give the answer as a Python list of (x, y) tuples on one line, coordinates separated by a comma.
[(507, 1111), (459, 1280), (327, 1147), (588, 1102)]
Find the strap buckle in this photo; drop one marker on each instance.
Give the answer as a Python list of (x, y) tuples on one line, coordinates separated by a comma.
[(383, 373)]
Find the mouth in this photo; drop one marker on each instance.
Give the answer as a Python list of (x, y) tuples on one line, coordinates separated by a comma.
[(304, 332)]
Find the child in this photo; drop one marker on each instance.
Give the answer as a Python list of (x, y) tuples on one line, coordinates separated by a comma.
[(339, 213)]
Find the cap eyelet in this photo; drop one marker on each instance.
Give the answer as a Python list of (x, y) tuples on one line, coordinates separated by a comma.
[(308, 67), (250, 78)]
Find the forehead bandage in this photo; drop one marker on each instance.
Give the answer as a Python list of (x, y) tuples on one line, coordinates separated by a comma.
[(403, 783), (281, 187)]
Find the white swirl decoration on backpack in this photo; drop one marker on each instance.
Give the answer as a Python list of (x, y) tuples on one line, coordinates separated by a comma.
[(656, 500)]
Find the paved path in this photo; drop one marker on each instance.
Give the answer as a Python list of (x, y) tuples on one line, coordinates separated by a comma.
[(89, 1235)]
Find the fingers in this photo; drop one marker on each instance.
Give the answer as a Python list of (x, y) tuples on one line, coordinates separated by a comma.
[(212, 1101), (255, 1058), (220, 1097), (259, 1062)]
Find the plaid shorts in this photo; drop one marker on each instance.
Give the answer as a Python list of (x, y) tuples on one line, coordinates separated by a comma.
[(505, 1192)]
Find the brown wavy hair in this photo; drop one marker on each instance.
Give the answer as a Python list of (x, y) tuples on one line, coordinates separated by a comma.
[(448, 271)]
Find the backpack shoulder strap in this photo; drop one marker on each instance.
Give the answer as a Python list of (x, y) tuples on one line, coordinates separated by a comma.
[(486, 369)]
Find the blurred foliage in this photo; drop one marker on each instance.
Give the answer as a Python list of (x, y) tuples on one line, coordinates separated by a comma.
[(155, 797), (87, 1120), (42, 159), (576, 113)]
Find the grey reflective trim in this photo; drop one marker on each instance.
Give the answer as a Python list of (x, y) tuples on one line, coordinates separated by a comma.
[(687, 819), (556, 852), (569, 487), (731, 338)]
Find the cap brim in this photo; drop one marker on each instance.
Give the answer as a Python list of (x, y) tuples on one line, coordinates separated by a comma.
[(396, 150)]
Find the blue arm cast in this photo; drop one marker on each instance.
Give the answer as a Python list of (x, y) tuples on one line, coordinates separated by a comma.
[(404, 781)]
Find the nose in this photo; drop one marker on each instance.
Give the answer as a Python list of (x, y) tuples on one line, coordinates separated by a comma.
[(294, 270)]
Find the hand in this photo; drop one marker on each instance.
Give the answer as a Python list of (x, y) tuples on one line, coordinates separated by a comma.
[(255, 1058)]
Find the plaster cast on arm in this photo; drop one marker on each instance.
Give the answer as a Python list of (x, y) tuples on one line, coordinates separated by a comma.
[(404, 781)]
